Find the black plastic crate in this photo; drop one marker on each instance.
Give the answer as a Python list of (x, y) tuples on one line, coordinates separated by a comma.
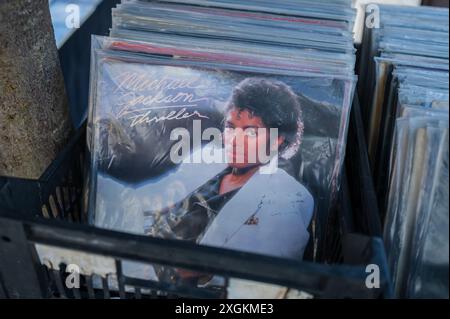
[(49, 211)]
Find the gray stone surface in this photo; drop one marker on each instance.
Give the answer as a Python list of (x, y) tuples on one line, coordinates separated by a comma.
[(34, 115)]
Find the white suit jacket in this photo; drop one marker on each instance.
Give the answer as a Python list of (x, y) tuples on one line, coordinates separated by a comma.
[(269, 215)]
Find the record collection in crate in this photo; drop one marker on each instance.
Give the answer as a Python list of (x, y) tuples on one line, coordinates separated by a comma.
[(213, 162), (404, 82)]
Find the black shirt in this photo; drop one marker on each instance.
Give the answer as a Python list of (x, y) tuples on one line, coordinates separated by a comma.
[(189, 218)]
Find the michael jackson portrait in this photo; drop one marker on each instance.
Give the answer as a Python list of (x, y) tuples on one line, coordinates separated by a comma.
[(243, 204)]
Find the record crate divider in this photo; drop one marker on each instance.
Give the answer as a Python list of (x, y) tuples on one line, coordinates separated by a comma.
[(49, 211)]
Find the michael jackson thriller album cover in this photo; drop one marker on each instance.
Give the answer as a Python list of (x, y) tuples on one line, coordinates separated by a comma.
[(233, 156)]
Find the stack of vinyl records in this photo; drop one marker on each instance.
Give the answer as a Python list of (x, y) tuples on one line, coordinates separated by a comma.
[(406, 101), (183, 93)]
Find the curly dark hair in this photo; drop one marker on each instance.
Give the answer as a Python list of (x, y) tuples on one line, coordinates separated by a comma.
[(274, 102)]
